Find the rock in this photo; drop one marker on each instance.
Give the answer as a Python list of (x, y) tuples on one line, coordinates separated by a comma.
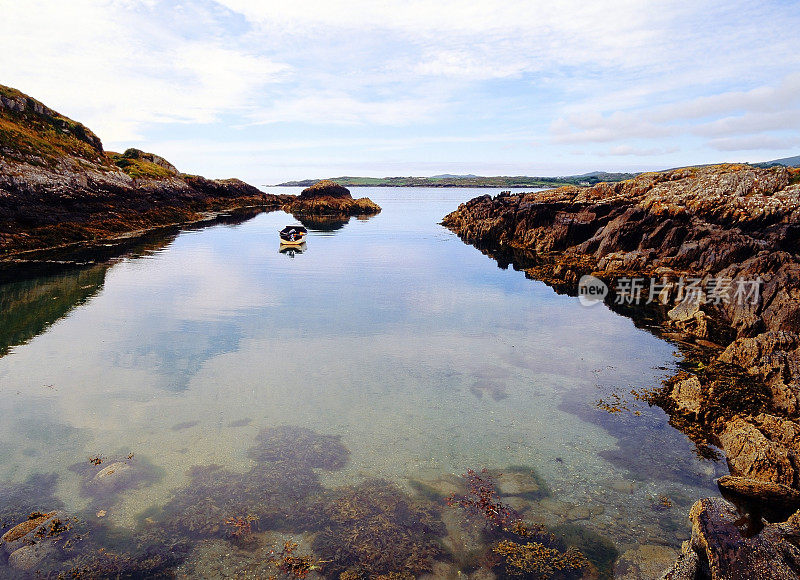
[(28, 558), (685, 310), (325, 188), (112, 474), (578, 512), (70, 190), (32, 531), (774, 494), (685, 567), (686, 394), (644, 562), (520, 482), (723, 552), (752, 455), (623, 486)]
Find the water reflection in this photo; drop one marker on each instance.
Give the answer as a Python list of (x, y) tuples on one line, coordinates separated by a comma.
[(30, 307), (327, 223), (292, 251)]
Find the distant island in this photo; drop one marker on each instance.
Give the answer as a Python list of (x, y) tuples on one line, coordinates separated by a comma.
[(518, 181), (448, 180)]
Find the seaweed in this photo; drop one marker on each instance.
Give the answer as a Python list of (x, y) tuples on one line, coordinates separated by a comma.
[(375, 529), (299, 445)]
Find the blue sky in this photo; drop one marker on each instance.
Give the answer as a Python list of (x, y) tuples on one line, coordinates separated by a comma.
[(278, 90)]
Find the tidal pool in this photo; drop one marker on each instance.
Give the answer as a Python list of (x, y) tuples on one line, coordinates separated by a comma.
[(413, 349)]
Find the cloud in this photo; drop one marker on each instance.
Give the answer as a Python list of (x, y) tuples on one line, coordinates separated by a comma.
[(734, 113), (620, 150), (755, 143), (116, 68)]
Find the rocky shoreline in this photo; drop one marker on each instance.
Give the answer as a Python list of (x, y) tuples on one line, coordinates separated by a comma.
[(58, 186), (715, 253)]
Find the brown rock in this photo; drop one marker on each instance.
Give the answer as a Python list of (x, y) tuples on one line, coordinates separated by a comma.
[(325, 188), (686, 394), (725, 553), (774, 494), (752, 455)]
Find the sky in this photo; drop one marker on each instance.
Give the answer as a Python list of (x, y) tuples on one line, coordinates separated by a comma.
[(270, 91)]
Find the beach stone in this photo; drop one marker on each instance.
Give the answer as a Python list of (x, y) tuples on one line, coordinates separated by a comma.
[(520, 483), (623, 486), (579, 512), (28, 558), (644, 562)]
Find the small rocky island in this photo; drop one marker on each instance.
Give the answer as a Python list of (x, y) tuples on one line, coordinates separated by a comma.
[(328, 198), (715, 230)]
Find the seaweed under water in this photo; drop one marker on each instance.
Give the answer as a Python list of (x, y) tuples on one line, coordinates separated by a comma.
[(374, 529), (516, 548)]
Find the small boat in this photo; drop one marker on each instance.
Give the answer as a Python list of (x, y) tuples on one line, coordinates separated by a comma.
[(293, 235)]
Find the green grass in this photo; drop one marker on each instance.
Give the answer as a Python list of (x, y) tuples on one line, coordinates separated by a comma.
[(43, 138), (138, 168)]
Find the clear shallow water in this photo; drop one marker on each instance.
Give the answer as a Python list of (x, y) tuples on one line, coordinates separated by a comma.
[(424, 356)]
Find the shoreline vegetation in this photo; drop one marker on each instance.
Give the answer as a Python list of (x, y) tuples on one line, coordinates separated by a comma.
[(739, 387)]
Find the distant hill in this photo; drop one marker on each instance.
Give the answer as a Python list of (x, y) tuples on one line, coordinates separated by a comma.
[(448, 180), (786, 162)]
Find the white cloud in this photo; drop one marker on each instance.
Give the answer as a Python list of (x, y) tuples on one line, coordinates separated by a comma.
[(755, 143), (115, 68)]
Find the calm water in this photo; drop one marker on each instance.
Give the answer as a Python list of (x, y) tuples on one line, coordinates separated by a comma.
[(424, 356)]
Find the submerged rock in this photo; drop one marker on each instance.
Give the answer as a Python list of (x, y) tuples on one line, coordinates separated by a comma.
[(642, 562), (104, 481)]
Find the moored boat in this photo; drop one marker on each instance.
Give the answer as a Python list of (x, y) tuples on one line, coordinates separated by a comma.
[(293, 235)]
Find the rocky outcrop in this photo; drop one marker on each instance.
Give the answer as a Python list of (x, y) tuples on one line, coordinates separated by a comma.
[(330, 199), (325, 188), (58, 185), (717, 251), (721, 549)]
